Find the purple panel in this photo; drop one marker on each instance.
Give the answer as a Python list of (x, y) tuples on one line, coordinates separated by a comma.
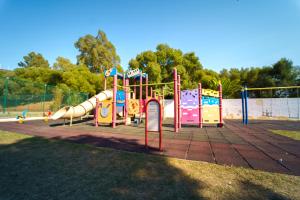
[(189, 98)]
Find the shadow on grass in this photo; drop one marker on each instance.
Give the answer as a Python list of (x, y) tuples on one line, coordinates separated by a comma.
[(36, 168)]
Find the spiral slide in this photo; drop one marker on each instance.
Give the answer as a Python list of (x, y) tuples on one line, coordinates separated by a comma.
[(82, 109)]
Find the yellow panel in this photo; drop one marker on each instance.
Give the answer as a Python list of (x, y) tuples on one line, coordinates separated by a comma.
[(211, 114), (105, 111), (133, 106), (209, 92)]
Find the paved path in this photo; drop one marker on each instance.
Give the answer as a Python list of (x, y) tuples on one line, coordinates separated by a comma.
[(253, 146)]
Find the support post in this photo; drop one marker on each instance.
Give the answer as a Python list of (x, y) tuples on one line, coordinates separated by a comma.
[(126, 99), (151, 92), (141, 95), (179, 102), (243, 106), (71, 118), (105, 82), (220, 105), (114, 107), (163, 103), (124, 89), (200, 104), (146, 88), (246, 105), (96, 112), (175, 101), (134, 89)]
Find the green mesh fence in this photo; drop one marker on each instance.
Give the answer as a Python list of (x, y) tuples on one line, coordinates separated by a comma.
[(19, 95)]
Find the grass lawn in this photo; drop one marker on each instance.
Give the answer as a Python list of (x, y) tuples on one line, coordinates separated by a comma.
[(37, 168), (291, 134)]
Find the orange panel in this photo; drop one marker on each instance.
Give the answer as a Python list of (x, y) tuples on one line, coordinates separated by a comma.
[(105, 111)]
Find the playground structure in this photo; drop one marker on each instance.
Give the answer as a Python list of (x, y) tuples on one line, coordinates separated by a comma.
[(198, 107), (274, 103)]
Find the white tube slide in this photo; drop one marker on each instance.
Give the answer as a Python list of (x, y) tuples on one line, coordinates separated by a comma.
[(82, 109)]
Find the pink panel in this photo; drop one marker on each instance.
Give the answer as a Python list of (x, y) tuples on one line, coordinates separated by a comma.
[(190, 115), (143, 105)]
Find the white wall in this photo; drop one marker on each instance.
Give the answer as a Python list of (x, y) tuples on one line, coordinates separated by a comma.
[(280, 108), (168, 108)]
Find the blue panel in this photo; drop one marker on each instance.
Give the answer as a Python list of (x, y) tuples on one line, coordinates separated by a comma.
[(120, 98), (206, 100)]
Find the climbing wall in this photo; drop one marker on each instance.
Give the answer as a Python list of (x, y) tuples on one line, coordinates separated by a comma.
[(133, 106), (189, 107), (210, 110)]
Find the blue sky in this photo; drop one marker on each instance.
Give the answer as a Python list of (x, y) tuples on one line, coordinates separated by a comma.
[(223, 33)]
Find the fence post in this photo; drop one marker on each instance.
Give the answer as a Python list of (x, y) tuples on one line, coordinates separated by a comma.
[(44, 98), (69, 94), (298, 103), (5, 95)]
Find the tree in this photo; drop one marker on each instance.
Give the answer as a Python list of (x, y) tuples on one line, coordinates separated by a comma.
[(81, 79), (230, 88), (159, 65), (78, 77), (283, 73), (147, 62), (98, 53), (40, 75), (34, 60), (63, 64)]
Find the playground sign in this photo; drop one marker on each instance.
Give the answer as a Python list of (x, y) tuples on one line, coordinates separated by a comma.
[(153, 120), (110, 72), (153, 116), (133, 72)]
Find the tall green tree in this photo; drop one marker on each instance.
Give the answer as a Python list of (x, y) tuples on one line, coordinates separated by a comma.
[(284, 73), (63, 64), (159, 65), (97, 52), (34, 60), (79, 78)]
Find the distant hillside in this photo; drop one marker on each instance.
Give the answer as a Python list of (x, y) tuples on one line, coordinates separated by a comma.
[(6, 72)]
